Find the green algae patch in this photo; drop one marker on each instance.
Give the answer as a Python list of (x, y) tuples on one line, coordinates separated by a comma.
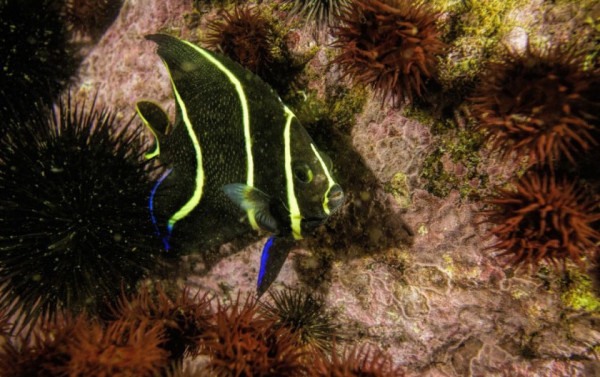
[(454, 165), (594, 52), (344, 104), (338, 109), (488, 18), (578, 292), (472, 31), (426, 116), (400, 190)]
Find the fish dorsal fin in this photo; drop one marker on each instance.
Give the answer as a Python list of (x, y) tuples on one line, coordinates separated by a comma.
[(214, 90), (184, 59), (157, 121), (253, 200)]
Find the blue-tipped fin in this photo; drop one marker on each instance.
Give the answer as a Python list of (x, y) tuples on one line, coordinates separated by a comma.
[(157, 231), (273, 256), (252, 199), (157, 121)]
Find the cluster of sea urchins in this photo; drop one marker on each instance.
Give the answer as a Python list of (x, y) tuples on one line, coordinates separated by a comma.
[(390, 46), (73, 211), (543, 105), (145, 336)]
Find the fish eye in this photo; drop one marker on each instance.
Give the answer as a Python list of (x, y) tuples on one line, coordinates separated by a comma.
[(302, 172)]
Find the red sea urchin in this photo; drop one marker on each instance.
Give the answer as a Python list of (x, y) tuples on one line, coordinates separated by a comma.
[(245, 36), (183, 318), (244, 343), (391, 46), (120, 349), (79, 347), (252, 38), (545, 218), (357, 362), (541, 104), (91, 17)]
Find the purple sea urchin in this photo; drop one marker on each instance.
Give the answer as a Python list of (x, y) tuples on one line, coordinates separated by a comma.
[(304, 315), (544, 218), (75, 227), (541, 104), (392, 48), (323, 12), (36, 58)]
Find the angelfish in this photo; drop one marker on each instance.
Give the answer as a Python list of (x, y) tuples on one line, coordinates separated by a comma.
[(236, 159)]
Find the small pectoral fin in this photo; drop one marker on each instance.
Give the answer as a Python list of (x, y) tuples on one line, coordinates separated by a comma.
[(273, 256), (157, 121), (254, 202)]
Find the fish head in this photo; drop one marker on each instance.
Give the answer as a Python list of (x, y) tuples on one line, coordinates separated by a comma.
[(316, 195)]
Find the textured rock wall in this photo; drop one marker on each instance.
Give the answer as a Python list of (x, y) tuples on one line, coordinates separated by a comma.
[(434, 298)]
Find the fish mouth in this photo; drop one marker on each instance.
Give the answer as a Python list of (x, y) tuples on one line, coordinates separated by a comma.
[(335, 198), (314, 221)]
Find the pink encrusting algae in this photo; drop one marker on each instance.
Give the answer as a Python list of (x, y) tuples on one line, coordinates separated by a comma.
[(404, 270)]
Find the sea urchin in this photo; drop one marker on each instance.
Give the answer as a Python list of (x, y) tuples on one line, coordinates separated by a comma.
[(80, 347), (544, 218), (36, 57), (182, 317), (322, 12), (75, 227), (120, 349), (392, 48), (541, 104), (91, 17), (244, 343), (357, 362), (304, 315), (246, 37)]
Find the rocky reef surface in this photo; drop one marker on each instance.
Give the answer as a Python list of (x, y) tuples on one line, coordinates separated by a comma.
[(404, 267)]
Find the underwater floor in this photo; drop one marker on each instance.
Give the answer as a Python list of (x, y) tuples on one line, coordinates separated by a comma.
[(411, 264)]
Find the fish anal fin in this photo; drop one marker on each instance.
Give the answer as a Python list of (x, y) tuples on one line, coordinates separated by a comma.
[(273, 257)]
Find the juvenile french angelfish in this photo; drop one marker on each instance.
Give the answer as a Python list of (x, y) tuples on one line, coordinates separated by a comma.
[(237, 159)]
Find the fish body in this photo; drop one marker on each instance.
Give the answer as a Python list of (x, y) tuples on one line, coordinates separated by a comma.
[(237, 159)]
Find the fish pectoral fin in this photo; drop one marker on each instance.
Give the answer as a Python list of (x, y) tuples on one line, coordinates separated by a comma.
[(273, 257), (157, 121), (254, 202)]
